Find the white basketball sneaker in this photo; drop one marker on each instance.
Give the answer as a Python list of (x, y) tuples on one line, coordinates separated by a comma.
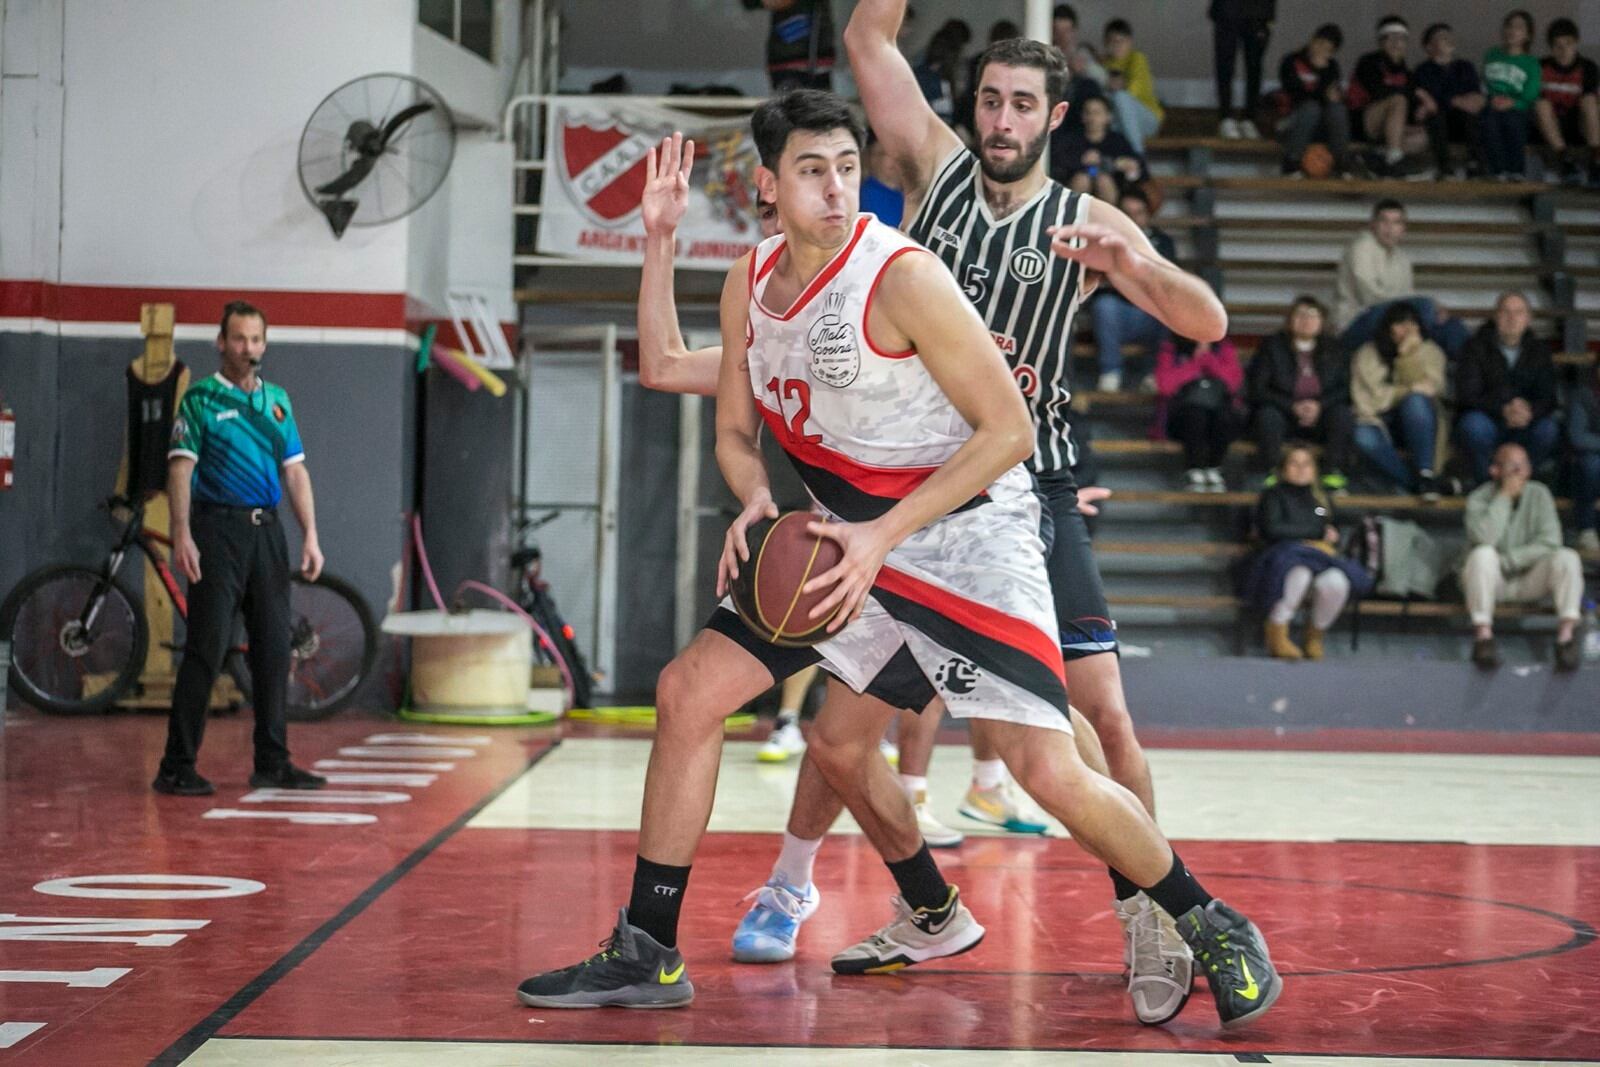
[(1159, 963)]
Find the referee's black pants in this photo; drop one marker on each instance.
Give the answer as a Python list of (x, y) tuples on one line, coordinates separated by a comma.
[(242, 566)]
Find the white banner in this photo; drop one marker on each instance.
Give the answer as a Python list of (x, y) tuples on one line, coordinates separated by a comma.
[(595, 173)]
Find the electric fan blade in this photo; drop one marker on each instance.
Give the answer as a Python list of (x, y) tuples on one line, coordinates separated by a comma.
[(406, 115), (349, 179)]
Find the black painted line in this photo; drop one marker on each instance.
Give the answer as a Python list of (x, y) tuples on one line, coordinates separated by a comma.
[(773, 1046), (207, 1028)]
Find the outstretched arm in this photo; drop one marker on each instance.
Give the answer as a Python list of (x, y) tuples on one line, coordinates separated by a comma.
[(665, 362), (915, 138), (1110, 244), (739, 428)]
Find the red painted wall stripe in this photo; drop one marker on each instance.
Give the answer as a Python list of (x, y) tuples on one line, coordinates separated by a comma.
[(119, 303)]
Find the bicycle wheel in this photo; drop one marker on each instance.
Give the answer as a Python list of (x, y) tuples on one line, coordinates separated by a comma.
[(332, 645), (77, 641)]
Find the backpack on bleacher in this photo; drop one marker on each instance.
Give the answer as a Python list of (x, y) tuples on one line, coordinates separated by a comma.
[(1405, 559)]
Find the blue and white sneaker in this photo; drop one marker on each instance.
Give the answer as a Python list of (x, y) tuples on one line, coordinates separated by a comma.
[(767, 932)]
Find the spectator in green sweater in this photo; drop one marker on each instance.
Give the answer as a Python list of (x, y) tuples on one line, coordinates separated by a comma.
[(1511, 77)]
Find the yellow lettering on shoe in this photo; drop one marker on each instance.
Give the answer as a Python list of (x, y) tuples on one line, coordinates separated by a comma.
[(667, 977), (1250, 992)]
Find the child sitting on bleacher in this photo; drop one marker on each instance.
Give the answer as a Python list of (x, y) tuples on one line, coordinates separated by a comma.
[(1198, 390), (1300, 556), (1568, 108)]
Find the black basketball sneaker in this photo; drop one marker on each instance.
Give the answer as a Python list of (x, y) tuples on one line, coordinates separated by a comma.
[(629, 971), (1232, 954)]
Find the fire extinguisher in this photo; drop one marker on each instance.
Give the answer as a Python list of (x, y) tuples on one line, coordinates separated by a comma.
[(8, 444)]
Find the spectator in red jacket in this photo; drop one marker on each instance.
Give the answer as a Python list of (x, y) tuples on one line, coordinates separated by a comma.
[(1198, 386), (1568, 108)]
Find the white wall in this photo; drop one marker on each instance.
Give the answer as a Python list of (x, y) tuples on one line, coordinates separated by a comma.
[(183, 120), (30, 137)]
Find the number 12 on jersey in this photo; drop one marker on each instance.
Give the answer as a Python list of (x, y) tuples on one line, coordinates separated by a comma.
[(795, 388)]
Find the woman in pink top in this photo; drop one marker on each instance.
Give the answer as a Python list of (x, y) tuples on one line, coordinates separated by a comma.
[(1198, 386)]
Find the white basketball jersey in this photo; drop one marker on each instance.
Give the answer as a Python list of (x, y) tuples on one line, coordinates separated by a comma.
[(863, 426)]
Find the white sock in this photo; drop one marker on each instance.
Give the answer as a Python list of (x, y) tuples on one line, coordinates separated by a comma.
[(1392, 156), (794, 862), (988, 773), (786, 717), (914, 785)]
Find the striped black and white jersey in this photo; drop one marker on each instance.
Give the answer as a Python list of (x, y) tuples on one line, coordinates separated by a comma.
[(1026, 294)]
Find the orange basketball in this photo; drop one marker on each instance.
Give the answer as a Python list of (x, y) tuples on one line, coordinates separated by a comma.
[(1317, 162), (784, 555)]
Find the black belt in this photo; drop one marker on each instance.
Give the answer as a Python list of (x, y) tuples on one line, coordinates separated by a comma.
[(254, 516)]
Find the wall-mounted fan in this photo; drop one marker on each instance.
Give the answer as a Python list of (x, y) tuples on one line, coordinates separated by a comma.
[(375, 150)]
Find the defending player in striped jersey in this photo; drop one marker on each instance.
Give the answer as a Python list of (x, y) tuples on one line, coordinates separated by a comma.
[(897, 410), (1027, 252)]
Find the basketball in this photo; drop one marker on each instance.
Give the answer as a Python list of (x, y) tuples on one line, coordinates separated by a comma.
[(784, 555), (1317, 162)]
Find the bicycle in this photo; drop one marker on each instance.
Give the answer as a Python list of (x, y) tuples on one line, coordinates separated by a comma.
[(79, 636)]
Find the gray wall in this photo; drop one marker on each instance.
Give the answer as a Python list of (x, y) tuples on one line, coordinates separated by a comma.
[(355, 409)]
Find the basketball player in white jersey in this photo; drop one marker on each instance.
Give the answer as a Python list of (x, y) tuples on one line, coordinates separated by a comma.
[(1027, 252), (858, 352)]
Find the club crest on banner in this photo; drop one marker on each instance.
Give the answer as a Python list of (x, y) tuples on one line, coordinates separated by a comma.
[(604, 168)]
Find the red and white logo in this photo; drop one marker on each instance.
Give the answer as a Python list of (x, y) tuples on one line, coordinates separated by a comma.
[(603, 167)]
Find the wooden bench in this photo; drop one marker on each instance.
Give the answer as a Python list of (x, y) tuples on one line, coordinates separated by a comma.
[(1352, 226)]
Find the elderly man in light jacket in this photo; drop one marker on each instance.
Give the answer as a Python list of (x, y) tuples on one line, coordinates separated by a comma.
[(1517, 555)]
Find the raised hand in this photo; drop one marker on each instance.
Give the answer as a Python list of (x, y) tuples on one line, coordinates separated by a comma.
[(666, 186)]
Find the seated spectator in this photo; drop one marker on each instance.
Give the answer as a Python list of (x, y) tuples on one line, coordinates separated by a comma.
[(1583, 434), (1568, 108), (1299, 388), (1395, 384), (1506, 388), (1117, 321), (1381, 96), (1512, 78), (1087, 78), (1300, 554), (1096, 159), (1375, 272), (1310, 79), (1454, 99), (1516, 555), (1132, 86), (937, 68), (1198, 386), (880, 186), (800, 43)]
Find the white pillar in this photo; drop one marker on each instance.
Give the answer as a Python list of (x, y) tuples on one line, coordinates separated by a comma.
[(1036, 19)]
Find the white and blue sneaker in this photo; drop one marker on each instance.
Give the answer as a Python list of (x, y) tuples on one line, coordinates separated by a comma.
[(767, 932)]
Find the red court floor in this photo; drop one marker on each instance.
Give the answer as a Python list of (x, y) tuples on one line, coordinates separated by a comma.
[(407, 905)]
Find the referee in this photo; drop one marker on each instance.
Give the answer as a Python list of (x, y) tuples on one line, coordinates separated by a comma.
[(236, 444)]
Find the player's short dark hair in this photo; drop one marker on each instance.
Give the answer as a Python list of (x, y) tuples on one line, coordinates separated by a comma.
[(1434, 30), (1118, 26), (1025, 52), (1388, 203), (242, 308), (1562, 27), (800, 109), (1065, 11), (1330, 32)]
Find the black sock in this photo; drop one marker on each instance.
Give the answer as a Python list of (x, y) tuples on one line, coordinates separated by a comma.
[(921, 884), (1124, 889), (657, 899), (1178, 891)]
